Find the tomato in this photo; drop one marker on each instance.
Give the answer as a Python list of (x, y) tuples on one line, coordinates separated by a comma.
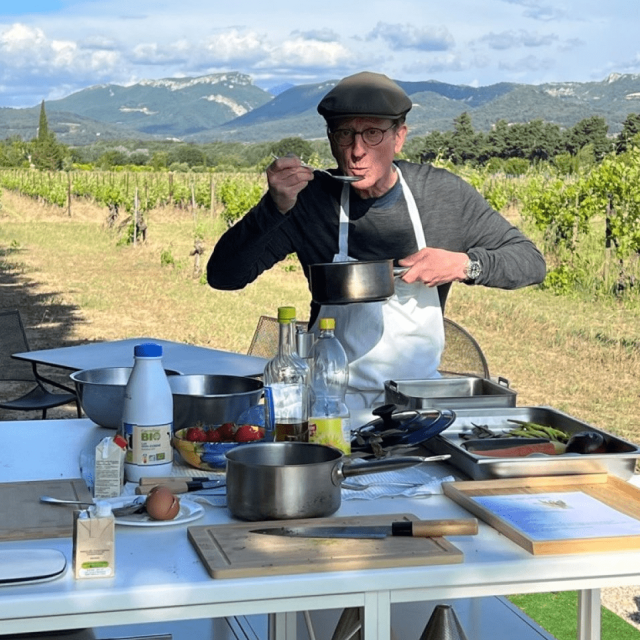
[(196, 434), (213, 435), (227, 431), (248, 433)]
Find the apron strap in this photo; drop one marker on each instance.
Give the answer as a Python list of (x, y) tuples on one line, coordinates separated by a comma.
[(414, 215)]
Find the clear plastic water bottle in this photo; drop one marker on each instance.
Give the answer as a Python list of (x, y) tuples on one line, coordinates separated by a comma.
[(286, 380), (147, 416), (329, 422)]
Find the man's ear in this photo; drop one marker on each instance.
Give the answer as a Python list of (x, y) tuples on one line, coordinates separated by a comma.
[(401, 136)]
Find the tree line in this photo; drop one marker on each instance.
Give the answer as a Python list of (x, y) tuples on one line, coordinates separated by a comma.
[(532, 142)]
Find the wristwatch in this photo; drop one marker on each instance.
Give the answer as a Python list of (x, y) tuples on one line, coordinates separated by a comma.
[(473, 270)]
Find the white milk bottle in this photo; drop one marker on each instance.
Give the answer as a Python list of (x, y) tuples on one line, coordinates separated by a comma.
[(147, 417)]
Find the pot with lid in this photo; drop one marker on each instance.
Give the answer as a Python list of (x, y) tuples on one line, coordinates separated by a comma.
[(355, 281)]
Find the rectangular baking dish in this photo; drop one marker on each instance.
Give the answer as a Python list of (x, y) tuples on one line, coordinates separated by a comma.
[(620, 459), (449, 393)]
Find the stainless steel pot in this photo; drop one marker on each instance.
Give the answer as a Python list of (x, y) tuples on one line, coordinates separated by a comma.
[(285, 480), (346, 282)]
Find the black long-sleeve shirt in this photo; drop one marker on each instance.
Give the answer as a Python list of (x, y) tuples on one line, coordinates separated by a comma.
[(454, 216)]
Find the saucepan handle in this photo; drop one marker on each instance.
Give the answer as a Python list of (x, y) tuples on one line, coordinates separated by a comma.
[(341, 470)]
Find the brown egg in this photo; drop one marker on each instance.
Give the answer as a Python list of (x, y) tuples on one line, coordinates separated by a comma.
[(161, 504)]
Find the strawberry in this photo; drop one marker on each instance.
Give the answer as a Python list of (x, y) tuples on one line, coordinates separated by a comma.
[(249, 433), (227, 431), (196, 434), (213, 435)]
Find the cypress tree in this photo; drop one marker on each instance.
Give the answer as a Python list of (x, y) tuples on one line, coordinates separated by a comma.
[(47, 153)]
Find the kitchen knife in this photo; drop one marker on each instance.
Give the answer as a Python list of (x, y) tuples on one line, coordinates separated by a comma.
[(183, 486), (416, 529)]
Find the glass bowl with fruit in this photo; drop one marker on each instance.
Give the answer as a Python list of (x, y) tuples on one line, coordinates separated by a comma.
[(205, 446)]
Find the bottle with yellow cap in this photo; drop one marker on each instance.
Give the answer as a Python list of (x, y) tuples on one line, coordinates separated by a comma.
[(286, 385), (329, 422)]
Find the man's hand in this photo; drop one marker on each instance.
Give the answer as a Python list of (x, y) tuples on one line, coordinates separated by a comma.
[(287, 177), (435, 266)]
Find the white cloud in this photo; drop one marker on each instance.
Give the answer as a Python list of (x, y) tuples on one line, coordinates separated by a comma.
[(527, 64), (407, 36), (235, 46), (513, 39), (299, 52), (539, 10)]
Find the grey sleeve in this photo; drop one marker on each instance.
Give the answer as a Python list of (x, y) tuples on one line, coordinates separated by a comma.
[(508, 258)]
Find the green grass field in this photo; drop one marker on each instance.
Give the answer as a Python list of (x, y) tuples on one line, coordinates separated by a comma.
[(74, 282)]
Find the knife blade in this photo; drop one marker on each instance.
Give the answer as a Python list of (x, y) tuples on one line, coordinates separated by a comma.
[(416, 529)]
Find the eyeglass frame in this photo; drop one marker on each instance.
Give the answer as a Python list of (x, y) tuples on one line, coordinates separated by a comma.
[(331, 133)]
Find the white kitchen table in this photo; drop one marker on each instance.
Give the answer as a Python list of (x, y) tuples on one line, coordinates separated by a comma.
[(159, 577), (179, 356)]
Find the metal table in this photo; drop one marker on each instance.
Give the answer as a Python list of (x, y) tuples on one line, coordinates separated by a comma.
[(159, 577), (186, 358)]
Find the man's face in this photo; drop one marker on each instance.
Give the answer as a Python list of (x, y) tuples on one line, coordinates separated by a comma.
[(373, 163)]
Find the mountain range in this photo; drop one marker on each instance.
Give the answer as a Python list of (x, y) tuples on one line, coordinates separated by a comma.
[(230, 107)]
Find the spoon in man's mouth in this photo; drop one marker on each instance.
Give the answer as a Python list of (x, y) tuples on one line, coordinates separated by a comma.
[(332, 175)]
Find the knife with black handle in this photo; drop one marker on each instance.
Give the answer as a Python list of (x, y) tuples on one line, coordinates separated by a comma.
[(413, 528)]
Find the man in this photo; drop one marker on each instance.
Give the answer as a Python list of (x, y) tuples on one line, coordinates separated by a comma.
[(423, 218)]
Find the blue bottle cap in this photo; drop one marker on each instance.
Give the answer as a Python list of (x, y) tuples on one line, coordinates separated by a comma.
[(147, 350)]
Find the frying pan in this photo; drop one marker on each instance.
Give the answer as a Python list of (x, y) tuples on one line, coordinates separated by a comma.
[(356, 281)]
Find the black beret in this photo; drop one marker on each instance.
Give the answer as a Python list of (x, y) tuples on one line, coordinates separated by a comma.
[(364, 95)]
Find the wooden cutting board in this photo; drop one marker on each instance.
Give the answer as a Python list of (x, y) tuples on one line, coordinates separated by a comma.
[(24, 517), (232, 551)]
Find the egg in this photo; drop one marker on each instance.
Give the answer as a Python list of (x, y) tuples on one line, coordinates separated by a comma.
[(161, 504)]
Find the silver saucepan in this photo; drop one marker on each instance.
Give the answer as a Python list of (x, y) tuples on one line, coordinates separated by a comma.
[(347, 282), (285, 480)]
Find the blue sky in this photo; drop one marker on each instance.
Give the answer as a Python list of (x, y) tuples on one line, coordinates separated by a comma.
[(51, 48)]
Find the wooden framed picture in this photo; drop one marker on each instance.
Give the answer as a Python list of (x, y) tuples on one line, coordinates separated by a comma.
[(557, 514)]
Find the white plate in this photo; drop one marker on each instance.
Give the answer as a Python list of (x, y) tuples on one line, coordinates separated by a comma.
[(189, 511), (35, 565)]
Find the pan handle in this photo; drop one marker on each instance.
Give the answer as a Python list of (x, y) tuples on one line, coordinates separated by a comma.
[(343, 470)]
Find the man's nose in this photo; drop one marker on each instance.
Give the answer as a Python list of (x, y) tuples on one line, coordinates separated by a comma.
[(358, 146)]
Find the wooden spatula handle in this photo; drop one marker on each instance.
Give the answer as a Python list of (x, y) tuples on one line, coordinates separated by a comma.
[(435, 528)]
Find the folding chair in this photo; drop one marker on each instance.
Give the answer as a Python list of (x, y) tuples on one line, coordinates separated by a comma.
[(13, 339), (462, 354), (265, 339)]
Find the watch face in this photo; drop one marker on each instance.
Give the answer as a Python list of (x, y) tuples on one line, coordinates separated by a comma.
[(473, 269)]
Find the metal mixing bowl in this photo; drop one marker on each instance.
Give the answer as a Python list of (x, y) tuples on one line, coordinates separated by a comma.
[(211, 399), (101, 393)]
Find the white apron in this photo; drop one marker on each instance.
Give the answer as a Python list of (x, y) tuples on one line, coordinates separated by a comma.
[(398, 339)]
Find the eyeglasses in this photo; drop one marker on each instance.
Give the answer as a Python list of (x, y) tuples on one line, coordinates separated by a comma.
[(371, 137)]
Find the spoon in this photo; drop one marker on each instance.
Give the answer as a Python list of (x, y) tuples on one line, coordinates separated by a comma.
[(137, 506), (335, 177), (61, 501)]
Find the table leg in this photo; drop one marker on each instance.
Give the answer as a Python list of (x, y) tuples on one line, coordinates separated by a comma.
[(282, 626), (589, 617), (377, 616)]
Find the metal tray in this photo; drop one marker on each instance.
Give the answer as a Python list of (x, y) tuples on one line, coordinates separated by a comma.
[(449, 393), (620, 461)]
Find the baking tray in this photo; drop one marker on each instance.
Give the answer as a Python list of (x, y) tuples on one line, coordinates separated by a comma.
[(449, 393), (620, 460)]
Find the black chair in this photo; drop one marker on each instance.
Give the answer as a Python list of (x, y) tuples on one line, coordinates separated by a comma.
[(13, 339), (266, 336), (462, 355)]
